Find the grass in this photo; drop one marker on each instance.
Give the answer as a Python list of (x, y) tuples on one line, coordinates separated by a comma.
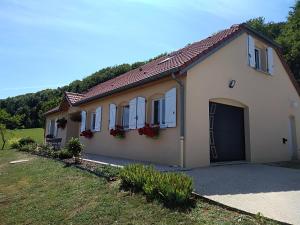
[(44, 191), (36, 133)]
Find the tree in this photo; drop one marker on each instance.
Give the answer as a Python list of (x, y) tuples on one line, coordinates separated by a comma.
[(3, 135), (290, 40)]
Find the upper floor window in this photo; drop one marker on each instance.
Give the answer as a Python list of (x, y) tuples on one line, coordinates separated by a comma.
[(260, 57), (125, 116), (257, 59)]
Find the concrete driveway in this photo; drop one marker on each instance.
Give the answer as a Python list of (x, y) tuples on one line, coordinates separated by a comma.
[(272, 191)]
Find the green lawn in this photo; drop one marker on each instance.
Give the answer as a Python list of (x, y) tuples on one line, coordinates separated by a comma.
[(44, 191), (36, 133)]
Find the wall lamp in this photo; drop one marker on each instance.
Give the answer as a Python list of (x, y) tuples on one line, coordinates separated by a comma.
[(232, 83)]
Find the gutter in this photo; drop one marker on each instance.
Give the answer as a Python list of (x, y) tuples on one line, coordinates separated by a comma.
[(182, 122)]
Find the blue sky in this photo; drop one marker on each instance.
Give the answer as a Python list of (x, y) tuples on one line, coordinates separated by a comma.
[(46, 44)]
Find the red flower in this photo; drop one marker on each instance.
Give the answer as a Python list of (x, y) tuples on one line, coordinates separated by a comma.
[(149, 131), (118, 131), (87, 134)]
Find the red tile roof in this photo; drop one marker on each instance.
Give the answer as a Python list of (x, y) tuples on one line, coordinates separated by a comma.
[(164, 65), (74, 97), (172, 61), (53, 110)]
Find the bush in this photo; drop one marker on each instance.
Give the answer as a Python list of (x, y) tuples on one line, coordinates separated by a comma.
[(28, 147), (174, 188), (14, 143), (26, 141), (64, 154), (109, 172), (171, 188), (75, 147), (134, 176)]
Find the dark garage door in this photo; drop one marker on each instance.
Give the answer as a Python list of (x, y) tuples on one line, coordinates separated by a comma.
[(227, 138)]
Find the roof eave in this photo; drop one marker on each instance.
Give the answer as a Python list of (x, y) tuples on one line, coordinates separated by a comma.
[(129, 86)]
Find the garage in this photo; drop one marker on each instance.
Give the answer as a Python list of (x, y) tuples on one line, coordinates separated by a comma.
[(227, 133)]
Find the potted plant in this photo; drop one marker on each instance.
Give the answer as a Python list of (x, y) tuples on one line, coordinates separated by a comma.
[(75, 147), (61, 123), (87, 134), (118, 132), (149, 131)]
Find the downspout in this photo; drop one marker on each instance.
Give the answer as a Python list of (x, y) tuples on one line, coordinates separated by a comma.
[(182, 122)]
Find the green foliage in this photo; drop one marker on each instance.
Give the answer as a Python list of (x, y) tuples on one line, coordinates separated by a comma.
[(174, 189), (64, 154), (74, 146), (290, 40), (3, 132), (134, 176), (26, 140), (14, 143), (30, 147), (109, 172), (270, 29), (10, 122)]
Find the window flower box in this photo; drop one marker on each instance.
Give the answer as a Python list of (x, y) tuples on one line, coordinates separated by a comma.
[(149, 131), (87, 134), (61, 123), (118, 132)]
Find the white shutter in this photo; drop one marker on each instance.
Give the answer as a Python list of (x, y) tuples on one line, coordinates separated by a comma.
[(49, 127), (112, 116), (270, 60), (170, 97), (83, 121), (98, 119), (55, 127), (251, 51), (141, 112), (132, 113)]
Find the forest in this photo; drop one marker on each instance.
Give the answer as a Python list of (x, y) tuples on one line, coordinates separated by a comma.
[(26, 111)]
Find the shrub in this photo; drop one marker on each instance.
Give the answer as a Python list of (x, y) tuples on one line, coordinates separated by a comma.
[(26, 141), (173, 189), (14, 143), (75, 147), (64, 154), (134, 176), (109, 172), (28, 147)]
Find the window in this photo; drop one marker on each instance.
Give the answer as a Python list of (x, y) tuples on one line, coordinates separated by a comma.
[(257, 53), (93, 121), (260, 57), (158, 112), (51, 129), (125, 116)]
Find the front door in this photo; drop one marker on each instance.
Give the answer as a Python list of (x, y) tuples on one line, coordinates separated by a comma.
[(227, 135)]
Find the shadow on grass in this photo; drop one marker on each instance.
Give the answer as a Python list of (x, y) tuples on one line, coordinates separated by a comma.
[(184, 207)]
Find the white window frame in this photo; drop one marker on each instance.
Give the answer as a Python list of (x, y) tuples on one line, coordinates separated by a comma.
[(161, 124), (93, 121), (122, 117)]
